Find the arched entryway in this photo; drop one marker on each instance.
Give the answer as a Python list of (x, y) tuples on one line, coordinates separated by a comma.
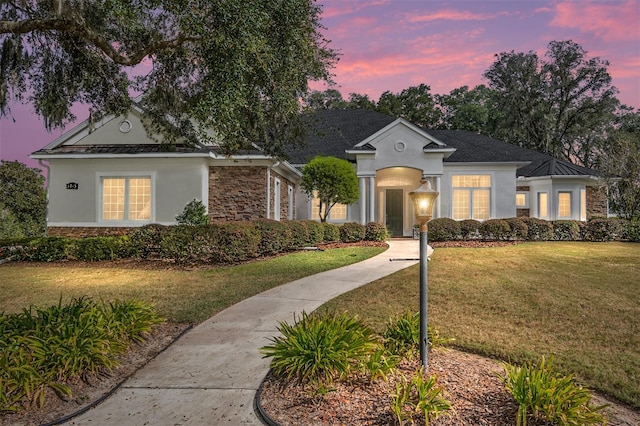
[(393, 185)]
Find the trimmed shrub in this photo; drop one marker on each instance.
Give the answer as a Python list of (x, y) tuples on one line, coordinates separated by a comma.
[(376, 231), (352, 232), (470, 229), (632, 231), (519, 228), (275, 236), (49, 249), (18, 247), (145, 241), (97, 248), (194, 214), (495, 229), (566, 230), (444, 229), (316, 232), (538, 229), (331, 232), (602, 229), (299, 233), (216, 243)]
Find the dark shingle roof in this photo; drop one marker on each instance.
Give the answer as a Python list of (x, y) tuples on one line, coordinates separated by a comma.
[(121, 149), (333, 131)]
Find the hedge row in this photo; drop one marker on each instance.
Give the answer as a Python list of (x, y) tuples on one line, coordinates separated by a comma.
[(216, 243), (531, 229)]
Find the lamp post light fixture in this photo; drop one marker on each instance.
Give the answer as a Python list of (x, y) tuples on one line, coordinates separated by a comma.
[(423, 199)]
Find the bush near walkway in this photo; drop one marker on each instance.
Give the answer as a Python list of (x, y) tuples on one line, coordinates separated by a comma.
[(216, 243)]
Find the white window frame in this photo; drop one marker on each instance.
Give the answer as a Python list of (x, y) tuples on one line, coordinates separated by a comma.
[(471, 190), (290, 199), (526, 199), (276, 198), (546, 205), (124, 175), (570, 195)]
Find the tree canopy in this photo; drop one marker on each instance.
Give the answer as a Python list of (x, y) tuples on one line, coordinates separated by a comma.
[(24, 198), (557, 105), (332, 180), (235, 66)]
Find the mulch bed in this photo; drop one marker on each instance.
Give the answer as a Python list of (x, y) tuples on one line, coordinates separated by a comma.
[(469, 382)]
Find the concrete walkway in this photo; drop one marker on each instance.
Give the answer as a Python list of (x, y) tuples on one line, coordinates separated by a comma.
[(211, 374)]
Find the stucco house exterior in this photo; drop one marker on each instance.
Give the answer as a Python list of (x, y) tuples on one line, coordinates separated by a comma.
[(108, 177)]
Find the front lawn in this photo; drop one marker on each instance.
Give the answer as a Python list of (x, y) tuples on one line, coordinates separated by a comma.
[(178, 295), (577, 300)]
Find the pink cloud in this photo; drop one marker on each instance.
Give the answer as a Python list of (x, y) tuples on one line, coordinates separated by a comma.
[(616, 21), (452, 15), (332, 9)]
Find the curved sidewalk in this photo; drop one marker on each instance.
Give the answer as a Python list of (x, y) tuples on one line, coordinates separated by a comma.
[(211, 374)]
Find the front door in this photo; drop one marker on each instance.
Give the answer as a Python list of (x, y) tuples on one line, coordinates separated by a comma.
[(394, 211)]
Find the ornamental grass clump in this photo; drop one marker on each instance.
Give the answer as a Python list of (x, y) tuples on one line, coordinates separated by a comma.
[(418, 397), (402, 335), (319, 349), (43, 349), (545, 394)]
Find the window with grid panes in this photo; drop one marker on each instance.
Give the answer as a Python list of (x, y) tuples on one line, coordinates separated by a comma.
[(471, 197), (126, 198)]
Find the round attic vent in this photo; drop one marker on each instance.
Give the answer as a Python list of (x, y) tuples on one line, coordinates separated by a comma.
[(400, 146), (125, 126)]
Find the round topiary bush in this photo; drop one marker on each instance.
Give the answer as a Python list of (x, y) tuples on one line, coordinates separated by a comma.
[(352, 232), (495, 229), (444, 229), (470, 229), (376, 231)]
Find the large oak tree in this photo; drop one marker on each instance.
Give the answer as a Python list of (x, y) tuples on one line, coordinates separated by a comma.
[(236, 66), (560, 104)]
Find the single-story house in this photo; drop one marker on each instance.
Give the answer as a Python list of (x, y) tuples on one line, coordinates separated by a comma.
[(106, 177)]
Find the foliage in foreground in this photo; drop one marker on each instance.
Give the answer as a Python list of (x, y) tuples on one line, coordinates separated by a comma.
[(418, 397), (318, 349), (44, 348), (402, 335), (545, 394)]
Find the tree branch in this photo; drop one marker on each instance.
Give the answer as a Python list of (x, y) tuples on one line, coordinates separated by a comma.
[(74, 28)]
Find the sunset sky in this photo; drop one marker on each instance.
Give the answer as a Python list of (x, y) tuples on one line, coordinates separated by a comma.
[(394, 44)]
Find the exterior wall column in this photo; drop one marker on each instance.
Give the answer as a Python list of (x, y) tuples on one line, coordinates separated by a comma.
[(363, 200), (372, 198)]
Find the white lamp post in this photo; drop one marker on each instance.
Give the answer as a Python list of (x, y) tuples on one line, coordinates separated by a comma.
[(423, 199)]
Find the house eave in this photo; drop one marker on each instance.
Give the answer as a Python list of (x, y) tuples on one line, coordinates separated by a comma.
[(140, 155), (517, 164)]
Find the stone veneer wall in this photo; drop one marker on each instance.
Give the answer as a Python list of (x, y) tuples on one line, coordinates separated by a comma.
[(596, 202), (237, 193), (82, 232)]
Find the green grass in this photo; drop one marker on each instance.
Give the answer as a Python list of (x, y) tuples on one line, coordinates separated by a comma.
[(579, 301), (180, 296)]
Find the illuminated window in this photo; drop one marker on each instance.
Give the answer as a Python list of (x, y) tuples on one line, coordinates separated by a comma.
[(337, 212), (471, 197), (521, 200), (564, 204), (543, 205), (126, 198), (583, 204)]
